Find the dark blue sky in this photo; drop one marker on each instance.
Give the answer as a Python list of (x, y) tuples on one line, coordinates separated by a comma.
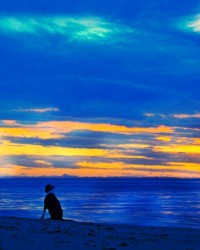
[(128, 63)]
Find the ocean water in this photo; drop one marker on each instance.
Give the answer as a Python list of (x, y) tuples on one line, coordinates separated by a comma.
[(136, 201)]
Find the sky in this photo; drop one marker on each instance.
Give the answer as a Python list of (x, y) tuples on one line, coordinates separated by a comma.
[(100, 88)]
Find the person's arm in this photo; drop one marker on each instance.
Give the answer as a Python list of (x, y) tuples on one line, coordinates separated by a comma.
[(43, 213)]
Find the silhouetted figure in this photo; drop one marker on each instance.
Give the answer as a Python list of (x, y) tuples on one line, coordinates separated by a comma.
[(52, 204)]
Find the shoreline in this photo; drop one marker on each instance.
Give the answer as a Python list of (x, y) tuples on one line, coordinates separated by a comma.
[(23, 233)]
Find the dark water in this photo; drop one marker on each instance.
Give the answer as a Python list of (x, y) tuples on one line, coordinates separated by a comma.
[(138, 201)]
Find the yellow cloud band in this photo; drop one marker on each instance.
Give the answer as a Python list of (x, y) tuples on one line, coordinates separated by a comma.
[(8, 148), (56, 129)]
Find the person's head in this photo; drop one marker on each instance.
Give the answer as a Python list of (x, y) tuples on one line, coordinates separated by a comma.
[(48, 187)]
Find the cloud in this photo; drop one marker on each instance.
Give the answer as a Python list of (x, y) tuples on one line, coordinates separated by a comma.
[(9, 122), (59, 129), (164, 138), (149, 114), (68, 126), (9, 148), (172, 169), (190, 23), (34, 161), (154, 115), (185, 116), (38, 110), (193, 23), (43, 163), (28, 132), (178, 148), (181, 121), (69, 28), (168, 116)]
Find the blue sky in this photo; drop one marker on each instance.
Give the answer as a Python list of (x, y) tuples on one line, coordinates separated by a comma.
[(122, 72)]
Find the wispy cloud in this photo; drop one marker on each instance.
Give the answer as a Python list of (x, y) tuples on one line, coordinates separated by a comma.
[(38, 110), (193, 23), (74, 28), (43, 163), (154, 115), (168, 116), (185, 116), (190, 23), (9, 122)]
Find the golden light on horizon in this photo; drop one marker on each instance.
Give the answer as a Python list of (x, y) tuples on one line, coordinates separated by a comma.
[(88, 169), (93, 161)]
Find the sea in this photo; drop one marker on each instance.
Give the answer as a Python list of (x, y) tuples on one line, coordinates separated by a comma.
[(135, 201)]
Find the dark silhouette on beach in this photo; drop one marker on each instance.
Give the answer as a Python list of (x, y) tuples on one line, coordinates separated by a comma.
[(52, 203)]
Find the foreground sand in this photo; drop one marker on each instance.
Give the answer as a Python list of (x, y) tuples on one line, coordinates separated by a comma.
[(35, 234)]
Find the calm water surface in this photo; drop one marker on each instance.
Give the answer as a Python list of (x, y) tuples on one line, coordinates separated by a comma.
[(138, 201)]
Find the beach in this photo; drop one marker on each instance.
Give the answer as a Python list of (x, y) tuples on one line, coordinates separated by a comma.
[(22, 233)]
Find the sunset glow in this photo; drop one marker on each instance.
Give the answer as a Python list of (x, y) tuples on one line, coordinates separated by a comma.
[(41, 143), (88, 89)]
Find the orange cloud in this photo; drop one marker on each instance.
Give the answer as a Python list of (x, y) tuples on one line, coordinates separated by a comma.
[(9, 122), (179, 166), (186, 166), (87, 172), (81, 172), (122, 169), (196, 141), (104, 169), (9, 148), (28, 171), (56, 129), (118, 152), (101, 165), (7, 170), (29, 132), (68, 126)]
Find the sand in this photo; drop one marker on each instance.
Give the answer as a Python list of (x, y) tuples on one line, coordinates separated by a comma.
[(21, 233)]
